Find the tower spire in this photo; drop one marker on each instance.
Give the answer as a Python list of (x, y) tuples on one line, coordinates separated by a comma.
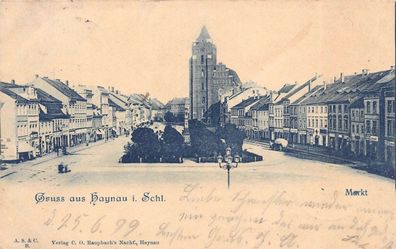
[(204, 35)]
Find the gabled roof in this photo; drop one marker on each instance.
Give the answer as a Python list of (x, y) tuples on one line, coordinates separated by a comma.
[(140, 99), (118, 107), (313, 92), (247, 102), (351, 89), (156, 104), (286, 88), (65, 89), (117, 102), (45, 97), (264, 101), (15, 96)]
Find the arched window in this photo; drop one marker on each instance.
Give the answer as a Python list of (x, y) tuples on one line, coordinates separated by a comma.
[(346, 123), (368, 107), (374, 106)]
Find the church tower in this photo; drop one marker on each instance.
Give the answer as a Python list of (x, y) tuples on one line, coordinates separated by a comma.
[(202, 66)]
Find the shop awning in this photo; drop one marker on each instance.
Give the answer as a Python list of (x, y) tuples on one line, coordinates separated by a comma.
[(24, 147)]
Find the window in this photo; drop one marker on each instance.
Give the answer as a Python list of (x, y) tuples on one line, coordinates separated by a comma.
[(345, 108), (368, 127), (321, 109), (390, 106), (325, 109), (375, 107), (339, 108), (316, 123), (374, 127), (390, 128), (339, 122), (346, 123), (321, 123), (202, 59), (353, 128), (330, 122), (334, 122), (368, 107)]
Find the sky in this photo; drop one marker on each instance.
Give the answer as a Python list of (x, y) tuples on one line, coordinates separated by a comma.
[(144, 46)]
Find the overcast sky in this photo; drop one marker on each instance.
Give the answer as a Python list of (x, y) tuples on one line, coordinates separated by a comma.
[(145, 46)]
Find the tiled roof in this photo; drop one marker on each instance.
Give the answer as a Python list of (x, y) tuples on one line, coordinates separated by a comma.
[(15, 96), (246, 102), (118, 107), (264, 101), (359, 103), (156, 104), (63, 88), (313, 92), (286, 88), (45, 97), (353, 87), (117, 102)]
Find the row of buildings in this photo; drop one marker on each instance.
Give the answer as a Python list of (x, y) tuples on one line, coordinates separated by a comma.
[(354, 114), (351, 114), (48, 114)]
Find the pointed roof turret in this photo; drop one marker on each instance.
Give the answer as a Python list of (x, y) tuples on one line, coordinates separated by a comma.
[(204, 35)]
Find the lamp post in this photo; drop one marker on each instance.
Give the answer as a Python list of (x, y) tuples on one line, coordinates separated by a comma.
[(228, 162)]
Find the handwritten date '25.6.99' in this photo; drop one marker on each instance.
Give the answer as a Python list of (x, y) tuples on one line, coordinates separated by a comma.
[(84, 223)]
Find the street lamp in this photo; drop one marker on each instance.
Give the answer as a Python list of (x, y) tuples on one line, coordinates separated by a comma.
[(228, 162)]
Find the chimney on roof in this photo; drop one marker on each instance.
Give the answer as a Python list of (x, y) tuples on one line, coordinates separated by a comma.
[(364, 71), (112, 89), (13, 81), (58, 79), (335, 79), (37, 76), (324, 85), (342, 79), (392, 68), (116, 91), (67, 83)]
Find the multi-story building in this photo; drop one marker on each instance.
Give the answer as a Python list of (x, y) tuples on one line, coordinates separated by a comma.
[(140, 107), (241, 115), (234, 97), (157, 110), (177, 107), (207, 78), (73, 104), (390, 126), (357, 126), (298, 116), (315, 116), (19, 131), (279, 110), (260, 118), (87, 94), (54, 123)]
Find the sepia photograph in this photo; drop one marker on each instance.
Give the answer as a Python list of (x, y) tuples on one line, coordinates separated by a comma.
[(197, 124)]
